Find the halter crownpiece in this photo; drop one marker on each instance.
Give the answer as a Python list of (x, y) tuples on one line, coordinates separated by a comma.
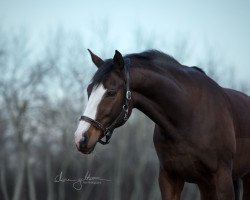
[(108, 131)]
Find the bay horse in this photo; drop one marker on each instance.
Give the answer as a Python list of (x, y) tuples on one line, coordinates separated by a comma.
[(202, 130)]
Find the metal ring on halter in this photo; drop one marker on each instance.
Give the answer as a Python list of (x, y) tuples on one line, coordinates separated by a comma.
[(125, 108), (128, 95)]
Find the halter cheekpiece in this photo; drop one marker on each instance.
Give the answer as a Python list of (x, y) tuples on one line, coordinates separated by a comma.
[(108, 131)]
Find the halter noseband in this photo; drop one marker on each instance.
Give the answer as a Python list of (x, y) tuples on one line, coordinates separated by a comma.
[(107, 132)]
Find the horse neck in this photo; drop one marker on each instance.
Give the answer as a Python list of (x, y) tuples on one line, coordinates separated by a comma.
[(160, 96)]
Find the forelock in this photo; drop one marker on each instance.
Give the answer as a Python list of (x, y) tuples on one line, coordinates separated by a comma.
[(102, 73)]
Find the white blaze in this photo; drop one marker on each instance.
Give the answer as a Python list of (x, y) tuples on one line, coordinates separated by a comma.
[(90, 111)]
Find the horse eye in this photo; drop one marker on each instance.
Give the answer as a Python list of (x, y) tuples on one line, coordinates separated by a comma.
[(111, 93)]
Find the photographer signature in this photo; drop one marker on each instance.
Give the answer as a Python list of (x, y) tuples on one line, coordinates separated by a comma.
[(78, 183)]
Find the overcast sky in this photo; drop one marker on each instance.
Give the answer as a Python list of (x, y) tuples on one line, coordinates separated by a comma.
[(221, 25)]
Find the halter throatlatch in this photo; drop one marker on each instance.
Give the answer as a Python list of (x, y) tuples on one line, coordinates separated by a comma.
[(122, 117)]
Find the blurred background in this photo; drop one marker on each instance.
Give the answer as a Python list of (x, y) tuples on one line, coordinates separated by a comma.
[(45, 68)]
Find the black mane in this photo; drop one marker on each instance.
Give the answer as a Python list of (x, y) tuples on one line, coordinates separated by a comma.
[(152, 55), (199, 69)]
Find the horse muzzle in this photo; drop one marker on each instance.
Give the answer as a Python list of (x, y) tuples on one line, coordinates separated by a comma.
[(82, 145)]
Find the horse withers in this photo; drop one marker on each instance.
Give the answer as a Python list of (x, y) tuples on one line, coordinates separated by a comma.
[(201, 130)]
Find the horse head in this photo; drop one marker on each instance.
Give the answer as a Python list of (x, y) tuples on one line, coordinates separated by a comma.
[(109, 102)]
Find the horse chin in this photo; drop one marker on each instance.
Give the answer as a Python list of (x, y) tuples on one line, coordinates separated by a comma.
[(88, 150)]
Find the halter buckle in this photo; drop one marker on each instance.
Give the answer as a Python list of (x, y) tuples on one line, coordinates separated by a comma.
[(125, 117)]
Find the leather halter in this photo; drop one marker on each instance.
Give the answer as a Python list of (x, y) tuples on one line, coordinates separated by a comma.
[(108, 131)]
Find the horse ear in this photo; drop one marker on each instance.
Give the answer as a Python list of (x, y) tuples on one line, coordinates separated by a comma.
[(96, 60), (118, 60)]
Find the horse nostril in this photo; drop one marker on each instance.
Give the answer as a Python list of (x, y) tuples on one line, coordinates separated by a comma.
[(83, 142)]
